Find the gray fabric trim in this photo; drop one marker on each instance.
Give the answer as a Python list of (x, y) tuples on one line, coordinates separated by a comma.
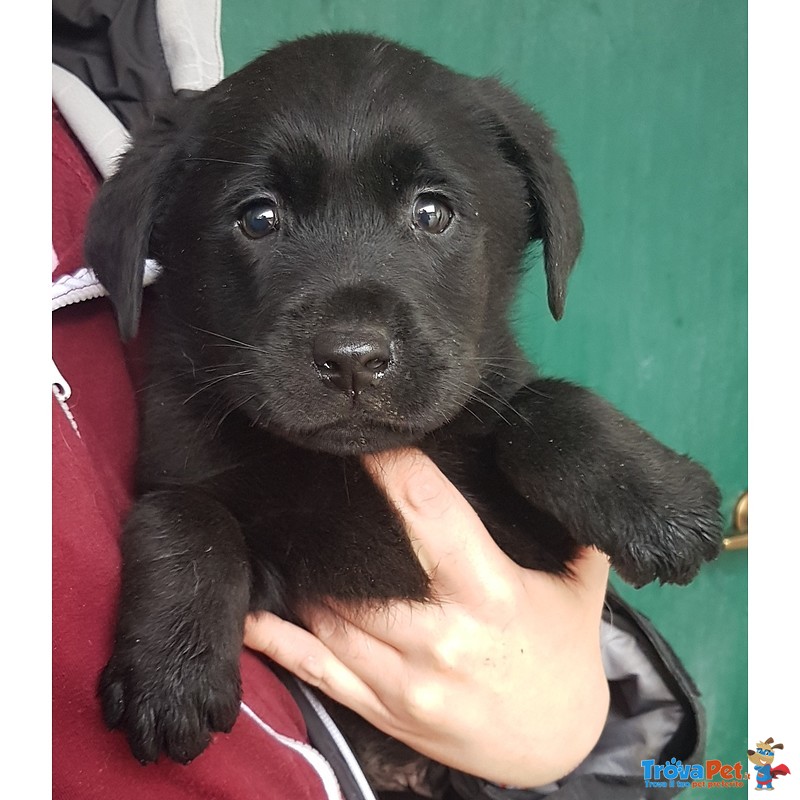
[(654, 713), (325, 736), (100, 132), (644, 713), (189, 32), (114, 47)]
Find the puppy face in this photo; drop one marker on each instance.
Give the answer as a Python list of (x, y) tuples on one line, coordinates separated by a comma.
[(341, 225)]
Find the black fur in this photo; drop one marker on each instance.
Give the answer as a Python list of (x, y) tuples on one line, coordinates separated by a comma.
[(250, 489)]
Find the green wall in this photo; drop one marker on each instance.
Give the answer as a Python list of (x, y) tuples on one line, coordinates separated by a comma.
[(650, 100)]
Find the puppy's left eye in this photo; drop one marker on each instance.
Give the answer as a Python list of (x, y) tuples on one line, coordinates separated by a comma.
[(431, 214), (259, 219)]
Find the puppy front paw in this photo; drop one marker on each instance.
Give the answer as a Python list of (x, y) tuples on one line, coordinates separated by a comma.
[(667, 530), (668, 548), (171, 705), (654, 512)]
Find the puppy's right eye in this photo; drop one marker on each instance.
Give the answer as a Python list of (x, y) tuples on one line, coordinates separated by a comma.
[(259, 219)]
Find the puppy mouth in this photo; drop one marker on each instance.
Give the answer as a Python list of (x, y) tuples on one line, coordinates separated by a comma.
[(348, 436), (353, 439), (364, 390)]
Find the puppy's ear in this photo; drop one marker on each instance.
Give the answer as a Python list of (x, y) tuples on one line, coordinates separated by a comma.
[(125, 209), (527, 142)]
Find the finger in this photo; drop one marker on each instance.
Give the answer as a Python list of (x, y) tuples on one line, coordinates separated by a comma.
[(451, 542), (407, 626), (591, 568), (357, 642), (305, 656), (587, 579)]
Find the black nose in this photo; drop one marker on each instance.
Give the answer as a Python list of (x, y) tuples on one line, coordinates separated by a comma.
[(352, 360)]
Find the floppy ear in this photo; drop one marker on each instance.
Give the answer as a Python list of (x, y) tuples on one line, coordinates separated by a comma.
[(123, 213), (527, 142)]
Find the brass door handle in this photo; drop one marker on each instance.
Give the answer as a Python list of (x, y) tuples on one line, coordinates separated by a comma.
[(738, 538)]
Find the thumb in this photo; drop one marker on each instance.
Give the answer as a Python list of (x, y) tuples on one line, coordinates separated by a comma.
[(450, 540)]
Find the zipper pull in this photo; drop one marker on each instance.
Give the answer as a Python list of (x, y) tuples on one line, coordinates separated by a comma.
[(61, 388), (63, 391)]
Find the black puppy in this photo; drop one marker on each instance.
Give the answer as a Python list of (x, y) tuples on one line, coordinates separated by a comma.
[(341, 226)]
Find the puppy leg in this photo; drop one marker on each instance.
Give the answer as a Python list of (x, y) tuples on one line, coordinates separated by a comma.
[(654, 512), (173, 677)]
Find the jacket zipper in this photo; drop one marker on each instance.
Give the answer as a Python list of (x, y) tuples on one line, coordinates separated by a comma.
[(62, 392), (83, 285), (74, 288)]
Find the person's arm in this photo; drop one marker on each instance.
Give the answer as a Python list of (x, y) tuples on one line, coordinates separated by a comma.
[(501, 678)]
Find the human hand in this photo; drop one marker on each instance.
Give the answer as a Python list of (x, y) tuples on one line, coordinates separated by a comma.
[(500, 676)]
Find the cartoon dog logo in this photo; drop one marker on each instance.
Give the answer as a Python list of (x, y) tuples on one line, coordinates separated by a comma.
[(762, 757)]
